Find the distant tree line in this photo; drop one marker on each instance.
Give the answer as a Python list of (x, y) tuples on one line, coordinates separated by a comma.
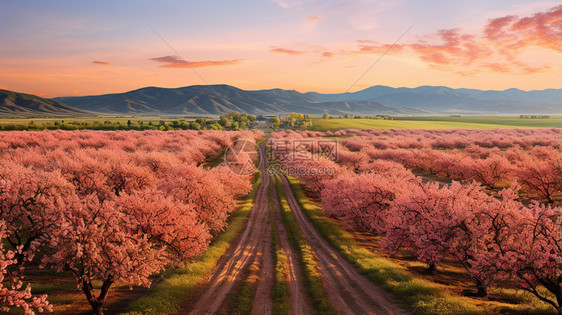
[(347, 116), (304, 121), (236, 121), (534, 116), (230, 121), (293, 121)]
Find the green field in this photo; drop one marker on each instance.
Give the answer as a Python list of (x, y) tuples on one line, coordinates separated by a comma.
[(417, 122), (94, 123), (510, 121), (436, 122)]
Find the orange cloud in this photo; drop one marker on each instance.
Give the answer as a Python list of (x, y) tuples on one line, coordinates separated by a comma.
[(103, 63), (373, 47), (496, 49), (496, 67), (327, 54), (285, 51), (175, 62), (313, 19)]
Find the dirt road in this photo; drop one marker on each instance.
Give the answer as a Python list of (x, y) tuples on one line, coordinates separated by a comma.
[(236, 259), (349, 292), (300, 303)]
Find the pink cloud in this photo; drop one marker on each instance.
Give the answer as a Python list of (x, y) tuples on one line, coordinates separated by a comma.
[(453, 48), (542, 29), (496, 49), (103, 63), (175, 62), (373, 47), (286, 51)]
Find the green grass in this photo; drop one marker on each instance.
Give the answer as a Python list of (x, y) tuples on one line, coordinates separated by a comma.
[(181, 284), (418, 295), (522, 302), (280, 291), (313, 279), (243, 297), (46, 288), (512, 121), (473, 122)]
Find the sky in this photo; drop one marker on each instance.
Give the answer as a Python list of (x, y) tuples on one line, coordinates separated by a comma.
[(66, 48)]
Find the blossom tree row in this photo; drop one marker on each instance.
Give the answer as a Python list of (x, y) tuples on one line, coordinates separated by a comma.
[(111, 206), (497, 238)]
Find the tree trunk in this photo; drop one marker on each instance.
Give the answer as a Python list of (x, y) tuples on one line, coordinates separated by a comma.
[(558, 293), (92, 299), (431, 269), (481, 288), (97, 308), (559, 297), (96, 302)]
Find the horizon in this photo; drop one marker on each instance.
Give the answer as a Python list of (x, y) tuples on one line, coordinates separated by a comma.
[(305, 46)]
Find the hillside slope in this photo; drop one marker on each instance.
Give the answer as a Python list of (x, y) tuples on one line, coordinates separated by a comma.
[(20, 104)]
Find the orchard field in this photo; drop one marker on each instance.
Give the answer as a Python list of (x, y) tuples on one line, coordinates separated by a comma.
[(107, 208), (496, 223), (386, 221)]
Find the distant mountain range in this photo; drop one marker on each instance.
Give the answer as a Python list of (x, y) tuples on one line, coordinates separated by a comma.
[(200, 100), (221, 99), (441, 99), (19, 104)]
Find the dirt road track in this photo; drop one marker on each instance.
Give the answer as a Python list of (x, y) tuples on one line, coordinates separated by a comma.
[(300, 303), (233, 263), (349, 291)]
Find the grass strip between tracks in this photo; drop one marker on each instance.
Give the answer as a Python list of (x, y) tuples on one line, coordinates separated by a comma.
[(313, 279), (280, 292), (243, 297), (179, 285), (418, 295)]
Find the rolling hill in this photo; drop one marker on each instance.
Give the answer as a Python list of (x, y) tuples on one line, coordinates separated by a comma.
[(221, 99), (19, 104)]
